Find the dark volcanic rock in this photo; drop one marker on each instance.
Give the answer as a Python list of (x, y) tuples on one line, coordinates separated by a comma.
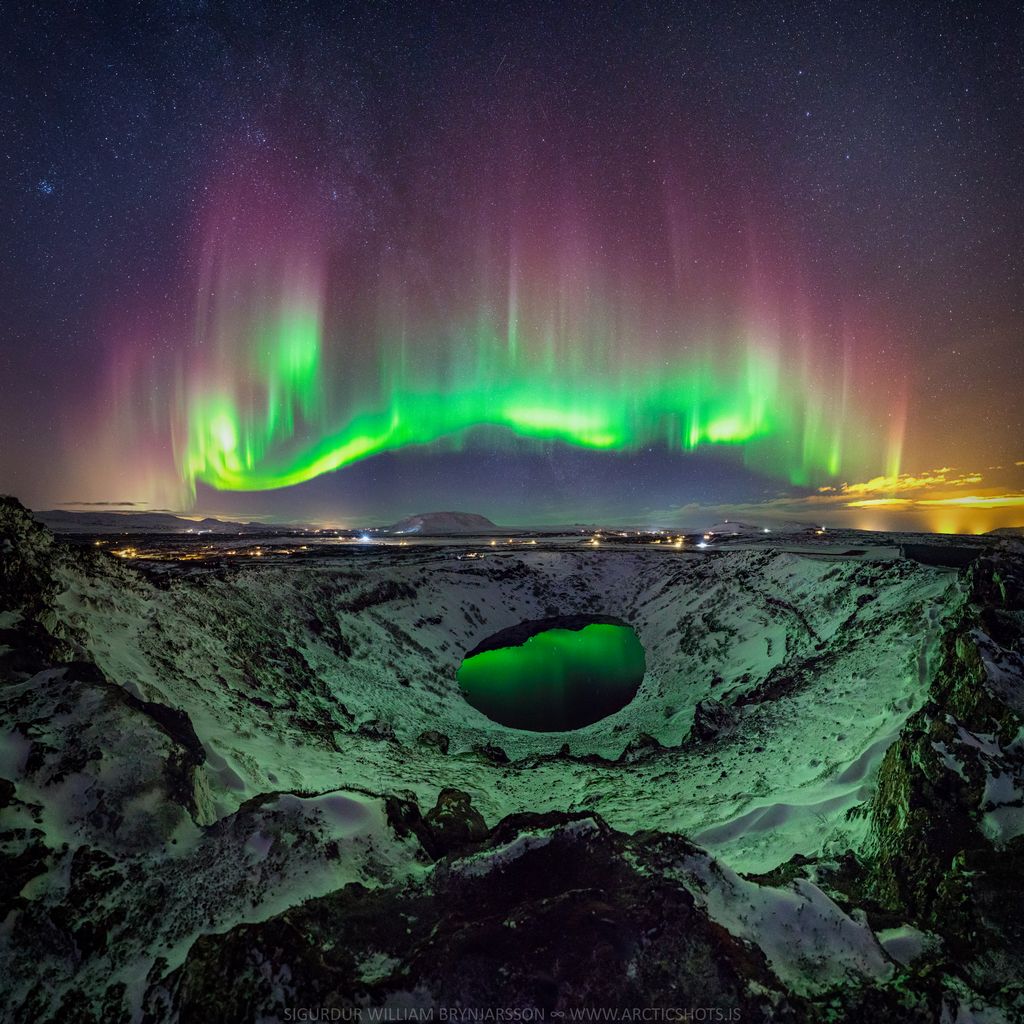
[(454, 823), (382, 593), (639, 749), (711, 719), (434, 739), (490, 752), (947, 814), (377, 729), (550, 913)]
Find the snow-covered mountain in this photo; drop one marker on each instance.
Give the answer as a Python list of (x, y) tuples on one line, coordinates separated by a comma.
[(228, 790), (441, 523), (736, 528)]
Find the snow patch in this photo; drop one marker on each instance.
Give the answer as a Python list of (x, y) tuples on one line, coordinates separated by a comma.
[(906, 944), (808, 941)]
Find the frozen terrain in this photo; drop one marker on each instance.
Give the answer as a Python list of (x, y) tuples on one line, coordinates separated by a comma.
[(224, 782)]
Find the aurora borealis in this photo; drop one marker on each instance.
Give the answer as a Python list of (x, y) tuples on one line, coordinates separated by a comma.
[(549, 360), (352, 264), (545, 321)]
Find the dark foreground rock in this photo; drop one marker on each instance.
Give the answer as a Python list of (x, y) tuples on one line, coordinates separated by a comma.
[(551, 914), (948, 814), (548, 914)]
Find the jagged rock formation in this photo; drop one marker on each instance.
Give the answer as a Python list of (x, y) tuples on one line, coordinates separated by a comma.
[(227, 793), (948, 816)]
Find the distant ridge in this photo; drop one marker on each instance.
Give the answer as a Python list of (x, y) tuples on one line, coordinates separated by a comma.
[(427, 523), (738, 528), (67, 521)]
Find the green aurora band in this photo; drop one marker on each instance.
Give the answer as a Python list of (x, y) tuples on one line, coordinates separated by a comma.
[(270, 426)]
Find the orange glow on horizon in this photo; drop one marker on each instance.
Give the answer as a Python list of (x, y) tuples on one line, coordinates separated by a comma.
[(879, 502), (977, 501)]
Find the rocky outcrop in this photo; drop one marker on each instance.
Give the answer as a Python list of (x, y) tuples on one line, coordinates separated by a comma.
[(712, 719), (547, 912), (552, 914), (948, 814), (29, 558)]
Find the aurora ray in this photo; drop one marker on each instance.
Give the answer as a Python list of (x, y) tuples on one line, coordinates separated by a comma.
[(230, 448), (266, 411)]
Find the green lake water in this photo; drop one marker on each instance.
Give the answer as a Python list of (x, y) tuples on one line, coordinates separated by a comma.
[(557, 679)]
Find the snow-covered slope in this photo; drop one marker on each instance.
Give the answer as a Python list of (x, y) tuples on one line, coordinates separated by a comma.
[(336, 669)]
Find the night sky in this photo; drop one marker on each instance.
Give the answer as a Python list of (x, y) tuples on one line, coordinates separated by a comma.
[(635, 263)]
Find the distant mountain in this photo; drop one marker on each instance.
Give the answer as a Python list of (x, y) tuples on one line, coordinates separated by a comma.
[(1007, 531), (737, 528), (433, 523), (65, 521), (734, 527)]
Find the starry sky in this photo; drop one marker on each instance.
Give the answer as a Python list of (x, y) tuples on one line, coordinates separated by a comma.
[(629, 263)]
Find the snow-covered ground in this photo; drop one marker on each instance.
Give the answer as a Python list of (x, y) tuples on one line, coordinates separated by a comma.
[(325, 674)]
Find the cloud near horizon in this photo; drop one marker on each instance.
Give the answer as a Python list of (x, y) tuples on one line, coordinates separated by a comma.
[(911, 497), (891, 485), (105, 504)]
